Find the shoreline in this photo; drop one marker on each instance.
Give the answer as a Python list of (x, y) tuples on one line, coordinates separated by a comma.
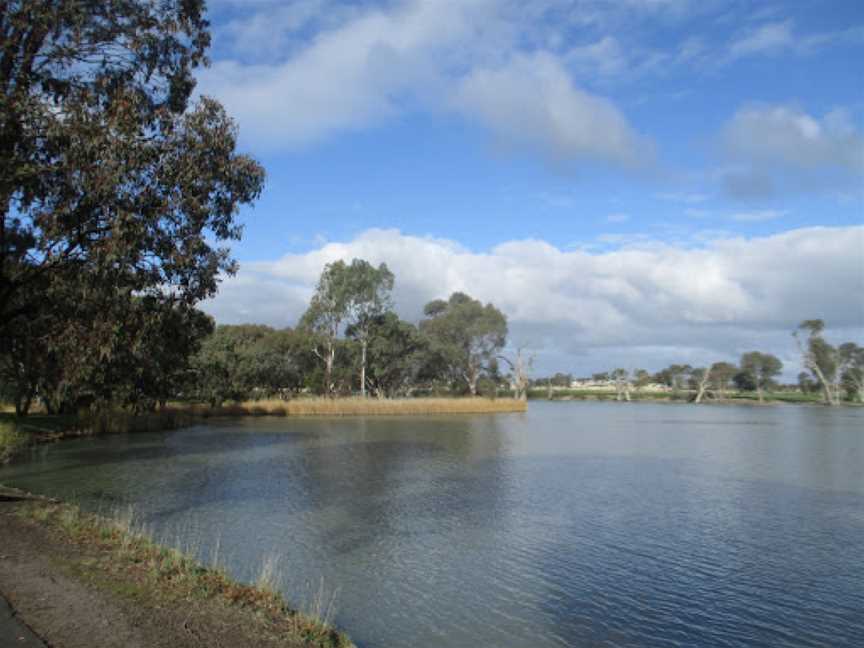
[(16, 435), (81, 579), (610, 397)]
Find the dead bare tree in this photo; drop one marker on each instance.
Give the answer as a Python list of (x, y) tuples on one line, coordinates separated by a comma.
[(520, 367), (621, 378), (702, 380)]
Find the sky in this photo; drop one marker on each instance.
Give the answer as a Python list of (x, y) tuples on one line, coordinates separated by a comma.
[(632, 182)]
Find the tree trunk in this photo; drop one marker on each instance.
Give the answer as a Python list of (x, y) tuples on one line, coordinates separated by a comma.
[(703, 386), (826, 385), (759, 393), (473, 376), (363, 344), (328, 370)]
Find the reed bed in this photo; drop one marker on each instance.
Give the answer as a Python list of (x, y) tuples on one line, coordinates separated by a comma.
[(357, 407)]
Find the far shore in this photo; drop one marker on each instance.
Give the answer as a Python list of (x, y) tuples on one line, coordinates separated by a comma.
[(681, 397)]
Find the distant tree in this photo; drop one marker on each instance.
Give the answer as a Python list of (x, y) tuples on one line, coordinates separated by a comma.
[(761, 368), (222, 370), (700, 379), (852, 370), (722, 374), (602, 376), (326, 315), (561, 379), (621, 379), (820, 358), (396, 354), (675, 376), (806, 383), (641, 379), (466, 335), (368, 299), (520, 368), (744, 381)]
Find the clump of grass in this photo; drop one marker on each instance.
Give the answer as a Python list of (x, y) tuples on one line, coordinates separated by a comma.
[(358, 407), (136, 564), (268, 575), (12, 441)]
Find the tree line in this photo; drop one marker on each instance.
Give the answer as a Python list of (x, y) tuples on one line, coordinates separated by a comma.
[(350, 341), (836, 372)]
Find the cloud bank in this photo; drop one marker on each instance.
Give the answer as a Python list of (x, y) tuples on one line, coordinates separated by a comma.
[(643, 305)]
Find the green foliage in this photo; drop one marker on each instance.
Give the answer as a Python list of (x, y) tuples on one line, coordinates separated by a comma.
[(465, 337), (244, 362), (396, 355), (760, 369), (115, 194), (675, 376), (834, 369)]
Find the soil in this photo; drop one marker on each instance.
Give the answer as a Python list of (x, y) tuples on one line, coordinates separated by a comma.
[(57, 590)]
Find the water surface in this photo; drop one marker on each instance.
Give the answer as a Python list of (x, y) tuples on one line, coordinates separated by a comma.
[(576, 524)]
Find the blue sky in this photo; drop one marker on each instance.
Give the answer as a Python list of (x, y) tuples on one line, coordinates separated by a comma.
[(584, 136)]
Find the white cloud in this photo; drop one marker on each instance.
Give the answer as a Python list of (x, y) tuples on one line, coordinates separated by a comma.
[(711, 302), (420, 54), (532, 101), (618, 217)]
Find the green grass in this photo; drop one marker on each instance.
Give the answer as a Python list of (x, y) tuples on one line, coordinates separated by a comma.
[(124, 559)]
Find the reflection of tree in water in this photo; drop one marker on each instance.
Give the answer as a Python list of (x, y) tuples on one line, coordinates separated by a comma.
[(383, 477)]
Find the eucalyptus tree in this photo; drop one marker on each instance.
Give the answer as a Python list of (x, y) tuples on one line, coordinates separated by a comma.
[(326, 315), (721, 375), (761, 368), (368, 299), (820, 358), (700, 378), (108, 175), (852, 374), (675, 376), (466, 335), (396, 354)]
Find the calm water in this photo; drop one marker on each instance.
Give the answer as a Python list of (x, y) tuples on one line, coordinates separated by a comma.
[(577, 524)]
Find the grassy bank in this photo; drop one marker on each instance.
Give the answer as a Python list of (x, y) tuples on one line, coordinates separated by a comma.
[(124, 561)]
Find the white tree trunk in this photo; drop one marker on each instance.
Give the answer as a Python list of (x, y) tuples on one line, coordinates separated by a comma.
[(363, 344)]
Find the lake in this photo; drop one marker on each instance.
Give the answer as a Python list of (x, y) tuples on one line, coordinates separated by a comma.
[(576, 524)]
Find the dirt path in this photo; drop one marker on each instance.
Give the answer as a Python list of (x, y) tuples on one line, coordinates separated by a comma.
[(57, 590)]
